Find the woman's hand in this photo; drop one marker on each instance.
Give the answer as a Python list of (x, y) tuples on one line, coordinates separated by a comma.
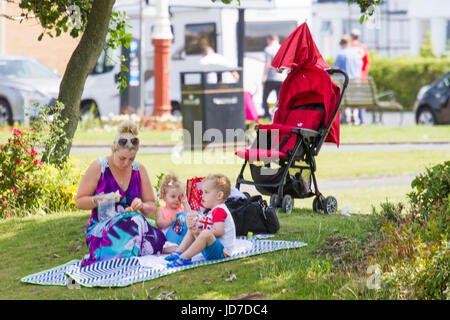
[(137, 204)]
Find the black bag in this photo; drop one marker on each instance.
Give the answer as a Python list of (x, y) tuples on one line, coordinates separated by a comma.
[(253, 215)]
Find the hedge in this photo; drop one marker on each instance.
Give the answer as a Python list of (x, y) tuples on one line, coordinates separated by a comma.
[(405, 75)]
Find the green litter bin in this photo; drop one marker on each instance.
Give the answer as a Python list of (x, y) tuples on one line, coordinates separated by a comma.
[(212, 107)]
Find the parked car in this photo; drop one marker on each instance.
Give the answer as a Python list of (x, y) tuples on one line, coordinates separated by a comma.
[(25, 81), (432, 105)]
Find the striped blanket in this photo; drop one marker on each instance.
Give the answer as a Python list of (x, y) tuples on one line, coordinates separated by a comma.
[(126, 271)]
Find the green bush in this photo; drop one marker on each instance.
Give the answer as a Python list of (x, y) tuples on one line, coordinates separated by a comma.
[(59, 187), (414, 248), (431, 192), (18, 168), (29, 186), (425, 276), (406, 75)]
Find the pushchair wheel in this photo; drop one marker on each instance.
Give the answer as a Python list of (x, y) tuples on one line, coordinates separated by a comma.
[(330, 205), (287, 204), (317, 205), (274, 200)]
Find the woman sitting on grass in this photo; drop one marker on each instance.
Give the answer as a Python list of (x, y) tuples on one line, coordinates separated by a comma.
[(126, 233)]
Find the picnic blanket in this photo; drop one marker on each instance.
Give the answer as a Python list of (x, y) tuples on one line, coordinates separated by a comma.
[(126, 271)]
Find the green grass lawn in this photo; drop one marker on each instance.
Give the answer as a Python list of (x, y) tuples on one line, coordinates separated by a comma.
[(32, 244), (331, 266), (381, 134), (330, 165), (349, 134)]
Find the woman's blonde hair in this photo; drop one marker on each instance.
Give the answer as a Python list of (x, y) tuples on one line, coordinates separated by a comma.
[(169, 181), (220, 183), (127, 129)]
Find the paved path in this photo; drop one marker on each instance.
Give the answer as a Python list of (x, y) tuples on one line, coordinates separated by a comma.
[(367, 182), (353, 183)]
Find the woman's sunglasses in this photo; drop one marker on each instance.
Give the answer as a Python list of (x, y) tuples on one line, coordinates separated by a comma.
[(123, 141)]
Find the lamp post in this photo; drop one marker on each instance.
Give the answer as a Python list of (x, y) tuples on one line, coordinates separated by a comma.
[(161, 39)]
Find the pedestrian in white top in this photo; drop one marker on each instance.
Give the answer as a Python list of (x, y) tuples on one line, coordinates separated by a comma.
[(272, 79), (210, 57)]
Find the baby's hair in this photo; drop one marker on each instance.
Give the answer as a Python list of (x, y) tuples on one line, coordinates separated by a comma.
[(169, 181), (127, 129), (221, 183)]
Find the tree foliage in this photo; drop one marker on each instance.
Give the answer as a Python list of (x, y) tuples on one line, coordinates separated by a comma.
[(365, 5), (58, 16)]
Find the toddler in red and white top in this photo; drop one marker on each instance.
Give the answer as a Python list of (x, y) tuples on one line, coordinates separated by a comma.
[(214, 234)]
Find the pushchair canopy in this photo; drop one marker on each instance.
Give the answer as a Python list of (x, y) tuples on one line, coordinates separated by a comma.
[(308, 83)]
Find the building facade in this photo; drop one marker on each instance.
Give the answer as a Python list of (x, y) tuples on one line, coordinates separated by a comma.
[(22, 38)]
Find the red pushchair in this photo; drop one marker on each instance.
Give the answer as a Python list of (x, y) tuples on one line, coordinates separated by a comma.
[(282, 157)]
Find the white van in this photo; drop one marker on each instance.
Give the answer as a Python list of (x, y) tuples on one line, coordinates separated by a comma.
[(197, 19)]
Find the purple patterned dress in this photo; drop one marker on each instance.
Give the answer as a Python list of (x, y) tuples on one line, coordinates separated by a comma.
[(127, 234)]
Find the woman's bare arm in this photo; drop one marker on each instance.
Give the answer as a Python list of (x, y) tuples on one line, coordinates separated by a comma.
[(86, 199), (148, 196)]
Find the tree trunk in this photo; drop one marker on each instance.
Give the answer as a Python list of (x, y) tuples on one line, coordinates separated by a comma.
[(80, 65)]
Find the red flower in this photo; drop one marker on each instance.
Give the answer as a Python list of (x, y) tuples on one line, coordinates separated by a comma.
[(18, 161), (36, 161), (17, 132), (32, 152)]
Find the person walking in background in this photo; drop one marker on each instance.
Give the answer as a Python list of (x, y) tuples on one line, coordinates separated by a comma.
[(362, 51), (272, 79), (210, 57), (350, 62)]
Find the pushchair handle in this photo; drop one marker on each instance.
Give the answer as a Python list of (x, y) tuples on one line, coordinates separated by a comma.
[(333, 71), (344, 86)]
